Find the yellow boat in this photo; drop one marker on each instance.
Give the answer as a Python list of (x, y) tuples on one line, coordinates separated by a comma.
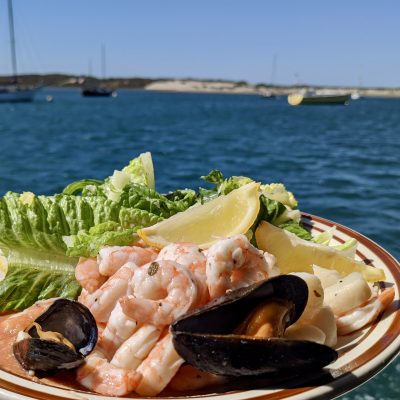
[(298, 99)]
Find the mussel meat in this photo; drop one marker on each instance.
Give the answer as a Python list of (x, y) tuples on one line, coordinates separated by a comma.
[(60, 338), (240, 333)]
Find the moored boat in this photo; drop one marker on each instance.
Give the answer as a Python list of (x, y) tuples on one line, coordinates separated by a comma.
[(91, 88), (267, 96), (98, 92), (14, 92), (298, 99)]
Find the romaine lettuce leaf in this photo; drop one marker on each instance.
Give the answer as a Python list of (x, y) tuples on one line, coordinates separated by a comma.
[(78, 186), (278, 192), (143, 198), (110, 233), (225, 186), (33, 276), (89, 245), (134, 217), (139, 171), (33, 228), (325, 237), (297, 229), (214, 177), (348, 248), (26, 225)]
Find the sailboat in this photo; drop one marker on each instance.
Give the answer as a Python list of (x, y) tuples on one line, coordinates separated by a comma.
[(311, 97), (90, 90), (14, 92)]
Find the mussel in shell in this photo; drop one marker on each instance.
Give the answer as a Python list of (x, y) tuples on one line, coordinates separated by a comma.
[(60, 338), (240, 333)]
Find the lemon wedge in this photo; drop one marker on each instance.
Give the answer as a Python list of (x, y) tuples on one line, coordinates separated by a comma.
[(204, 224), (298, 255)]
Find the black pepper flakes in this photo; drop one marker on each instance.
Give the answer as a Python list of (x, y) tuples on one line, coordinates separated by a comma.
[(153, 268)]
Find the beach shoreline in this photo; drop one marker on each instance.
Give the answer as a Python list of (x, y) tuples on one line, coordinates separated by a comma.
[(192, 85), (200, 86)]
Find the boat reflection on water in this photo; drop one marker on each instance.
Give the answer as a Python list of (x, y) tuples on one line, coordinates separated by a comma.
[(313, 98)]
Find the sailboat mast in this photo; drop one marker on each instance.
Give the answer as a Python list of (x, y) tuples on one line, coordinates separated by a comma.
[(12, 41), (273, 70), (103, 61)]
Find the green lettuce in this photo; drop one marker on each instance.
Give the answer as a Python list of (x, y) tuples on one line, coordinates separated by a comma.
[(26, 225), (111, 233), (297, 229), (225, 186), (78, 186), (32, 276), (89, 244), (139, 171), (144, 198), (42, 236)]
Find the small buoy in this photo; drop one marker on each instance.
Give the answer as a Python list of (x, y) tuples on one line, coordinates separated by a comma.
[(49, 99)]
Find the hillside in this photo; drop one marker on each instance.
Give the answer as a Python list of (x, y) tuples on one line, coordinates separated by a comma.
[(194, 85), (63, 80)]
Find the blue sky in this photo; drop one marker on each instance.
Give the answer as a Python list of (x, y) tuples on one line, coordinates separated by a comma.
[(321, 42)]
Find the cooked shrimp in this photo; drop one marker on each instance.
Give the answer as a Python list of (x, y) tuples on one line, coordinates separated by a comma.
[(158, 368), (361, 316), (190, 378), (233, 263), (99, 375), (135, 349), (163, 291), (110, 259), (118, 329), (88, 275), (102, 301), (190, 256)]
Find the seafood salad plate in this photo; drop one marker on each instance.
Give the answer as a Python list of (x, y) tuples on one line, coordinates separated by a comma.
[(111, 289)]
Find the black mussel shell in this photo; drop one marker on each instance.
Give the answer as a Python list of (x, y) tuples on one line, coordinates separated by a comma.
[(233, 355), (204, 338), (73, 321), (45, 355), (224, 314)]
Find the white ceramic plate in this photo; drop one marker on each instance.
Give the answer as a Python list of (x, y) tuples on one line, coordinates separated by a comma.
[(361, 355)]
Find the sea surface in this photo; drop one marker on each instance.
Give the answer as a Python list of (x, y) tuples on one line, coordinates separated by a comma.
[(341, 162)]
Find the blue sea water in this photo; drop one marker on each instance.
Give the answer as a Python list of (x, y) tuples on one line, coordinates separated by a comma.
[(342, 163)]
